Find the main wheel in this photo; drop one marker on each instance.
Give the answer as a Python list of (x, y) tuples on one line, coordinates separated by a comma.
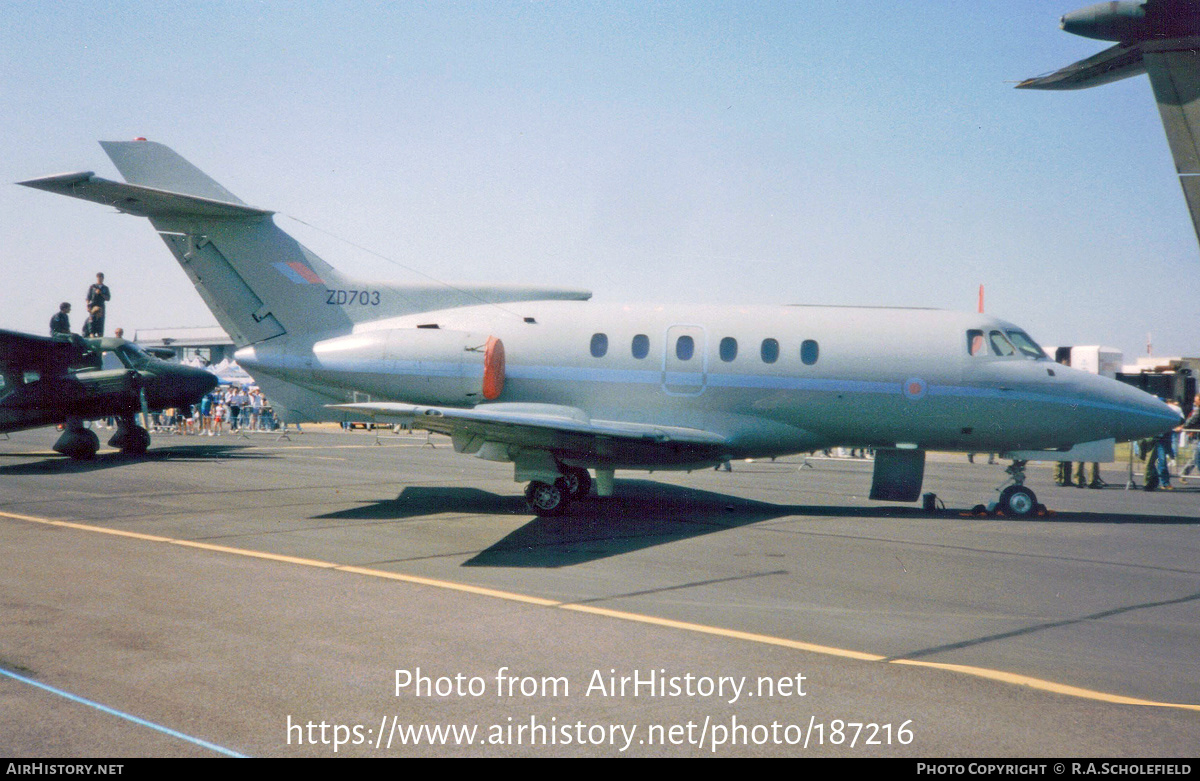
[(545, 499), (1017, 501), (576, 481), (137, 442)]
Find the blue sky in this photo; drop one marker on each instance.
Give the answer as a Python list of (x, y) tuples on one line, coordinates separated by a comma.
[(861, 153)]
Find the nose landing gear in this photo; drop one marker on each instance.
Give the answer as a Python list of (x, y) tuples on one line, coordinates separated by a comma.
[(1016, 500)]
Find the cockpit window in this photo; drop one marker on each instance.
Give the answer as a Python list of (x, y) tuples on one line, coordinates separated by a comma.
[(127, 356), (110, 360), (1027, 346), (975, 345), (133, 356), (1000, 345)]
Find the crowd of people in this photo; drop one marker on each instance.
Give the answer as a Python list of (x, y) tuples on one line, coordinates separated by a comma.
[(233, 409)]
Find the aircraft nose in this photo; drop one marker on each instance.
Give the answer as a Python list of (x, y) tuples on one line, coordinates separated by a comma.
[(199, 384), (1141, 415)]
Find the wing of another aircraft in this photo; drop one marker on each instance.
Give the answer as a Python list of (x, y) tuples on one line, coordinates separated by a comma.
[(1112, 64), (49, 356), (1162, 39), (567, 431)]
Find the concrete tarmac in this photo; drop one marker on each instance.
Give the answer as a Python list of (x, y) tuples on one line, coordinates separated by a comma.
[(231, 595)]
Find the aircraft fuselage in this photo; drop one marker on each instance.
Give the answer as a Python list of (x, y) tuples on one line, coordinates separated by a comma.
[(771, 380)]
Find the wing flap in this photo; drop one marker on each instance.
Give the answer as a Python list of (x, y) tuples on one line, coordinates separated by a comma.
[(535, 425)]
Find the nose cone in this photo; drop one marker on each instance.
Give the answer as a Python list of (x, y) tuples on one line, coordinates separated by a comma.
[(197, 383), (1133, 414), (179, 386)]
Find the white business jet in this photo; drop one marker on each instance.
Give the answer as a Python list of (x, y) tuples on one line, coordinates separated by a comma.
[(557, 385)]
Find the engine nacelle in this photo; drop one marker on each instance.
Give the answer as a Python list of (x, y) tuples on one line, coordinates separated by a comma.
[(418, 365), (1132, 20)]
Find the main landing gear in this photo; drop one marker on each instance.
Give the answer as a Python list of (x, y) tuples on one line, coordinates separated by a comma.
[(131, 439), (81, 443), (77, 441), (549, 499)]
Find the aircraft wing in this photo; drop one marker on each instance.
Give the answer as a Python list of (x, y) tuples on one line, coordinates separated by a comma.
[(1173, 65), (1112, 64), (566, 431), (46, 355)]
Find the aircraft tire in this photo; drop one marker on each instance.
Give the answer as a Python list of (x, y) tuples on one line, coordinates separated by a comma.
[(576, 481), (546, 500), (137, 442), (83, 445), (1017, 501)]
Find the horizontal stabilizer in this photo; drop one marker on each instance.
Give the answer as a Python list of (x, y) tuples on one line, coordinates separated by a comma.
[(140, 200)]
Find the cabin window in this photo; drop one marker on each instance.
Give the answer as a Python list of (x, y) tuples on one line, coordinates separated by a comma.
[(770, 350), (685, 348), (599, 345), (1000, 345), (975, 345), (640, 346), (728, 349), (809, 352), (1027, 346)]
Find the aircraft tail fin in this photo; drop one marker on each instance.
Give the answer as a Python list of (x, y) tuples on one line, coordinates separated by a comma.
[(258, 281), (154, 165)]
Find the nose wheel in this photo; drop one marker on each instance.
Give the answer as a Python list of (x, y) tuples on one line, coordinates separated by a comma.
[(1017, 501)]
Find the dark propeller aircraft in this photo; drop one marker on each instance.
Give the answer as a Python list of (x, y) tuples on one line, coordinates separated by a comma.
[(66, 380)]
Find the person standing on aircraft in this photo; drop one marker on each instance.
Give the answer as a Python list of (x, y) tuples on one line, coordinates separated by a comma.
[(119, 333), (61, 322), (94, 325), (98, 296)]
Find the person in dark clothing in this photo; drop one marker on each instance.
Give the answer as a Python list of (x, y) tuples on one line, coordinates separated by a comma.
[(94, 325), (98, 295), (61, 322)]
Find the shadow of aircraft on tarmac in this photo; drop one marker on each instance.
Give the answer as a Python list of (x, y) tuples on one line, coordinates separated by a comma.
[(109, 459), (641, 514)]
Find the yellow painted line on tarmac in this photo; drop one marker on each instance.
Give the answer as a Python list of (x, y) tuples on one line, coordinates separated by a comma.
[(978, 672), (172, 541), (1037, 683), (722, 632)]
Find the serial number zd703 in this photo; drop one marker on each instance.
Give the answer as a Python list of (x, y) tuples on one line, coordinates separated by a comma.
[(360, 297)]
